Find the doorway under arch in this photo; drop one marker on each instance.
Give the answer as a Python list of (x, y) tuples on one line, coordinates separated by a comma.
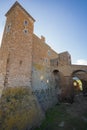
[(79, 78), (56, 77)]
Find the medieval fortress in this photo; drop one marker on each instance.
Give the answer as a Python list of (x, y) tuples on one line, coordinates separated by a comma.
[(27, 60)]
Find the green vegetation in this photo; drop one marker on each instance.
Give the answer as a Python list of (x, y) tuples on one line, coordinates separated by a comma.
[(57, 118), (18, 109)]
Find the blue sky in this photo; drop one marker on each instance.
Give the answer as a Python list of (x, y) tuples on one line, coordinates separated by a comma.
[(62, 22)]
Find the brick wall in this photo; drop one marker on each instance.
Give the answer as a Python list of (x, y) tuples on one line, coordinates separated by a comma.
[(42, 81), (64, 58), (17, 42), (42, 53)]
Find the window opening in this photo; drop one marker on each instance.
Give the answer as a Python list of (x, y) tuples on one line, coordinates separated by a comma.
[(25, 22), (26, 31)]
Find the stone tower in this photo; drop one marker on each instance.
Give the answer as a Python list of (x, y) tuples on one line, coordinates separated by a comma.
[(16, 47)]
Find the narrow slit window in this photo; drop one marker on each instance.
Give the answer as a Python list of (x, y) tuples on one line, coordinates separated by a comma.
[(49, 53), (25, 31), (25, 22), (8, 28), (20, 62)]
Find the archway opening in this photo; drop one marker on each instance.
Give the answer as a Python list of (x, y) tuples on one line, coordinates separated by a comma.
[(79, 78), (84, 83), (55, 72), (56, 78), (56, 75), (77, 83)]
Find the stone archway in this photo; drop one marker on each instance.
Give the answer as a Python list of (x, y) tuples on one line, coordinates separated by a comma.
[(80, 81), (56, 77), (65, 91), (57, 83)]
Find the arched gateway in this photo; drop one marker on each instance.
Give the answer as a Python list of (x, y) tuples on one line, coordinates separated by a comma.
[(80, 81)]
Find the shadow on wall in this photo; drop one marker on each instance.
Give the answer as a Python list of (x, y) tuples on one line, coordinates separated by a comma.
[(47, 94), (65, 88)]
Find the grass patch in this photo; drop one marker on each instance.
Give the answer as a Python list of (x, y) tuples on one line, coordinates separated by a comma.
[(57, 116)]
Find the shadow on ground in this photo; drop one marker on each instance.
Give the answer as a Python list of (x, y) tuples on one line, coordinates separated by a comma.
[(67, 116)]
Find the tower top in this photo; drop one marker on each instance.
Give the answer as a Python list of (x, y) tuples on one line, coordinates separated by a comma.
[(17, 4)]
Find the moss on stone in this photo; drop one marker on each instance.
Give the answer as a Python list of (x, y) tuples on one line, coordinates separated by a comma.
[(19, 109)]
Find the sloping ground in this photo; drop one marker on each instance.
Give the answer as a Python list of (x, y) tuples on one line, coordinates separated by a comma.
[(66, 116)]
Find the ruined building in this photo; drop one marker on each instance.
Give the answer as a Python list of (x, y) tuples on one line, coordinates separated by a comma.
[(27, 60)]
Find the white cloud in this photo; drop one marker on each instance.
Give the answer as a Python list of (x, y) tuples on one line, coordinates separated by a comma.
[(81, 62)]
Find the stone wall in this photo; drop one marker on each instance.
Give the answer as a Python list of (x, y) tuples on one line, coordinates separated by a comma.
[(19, 109), (26, 60), (64, 58), (42, 81), (17, 48), (44, 88), (42, 53)]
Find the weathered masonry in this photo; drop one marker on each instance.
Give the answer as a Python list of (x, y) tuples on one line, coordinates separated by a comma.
[(28, 61)]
